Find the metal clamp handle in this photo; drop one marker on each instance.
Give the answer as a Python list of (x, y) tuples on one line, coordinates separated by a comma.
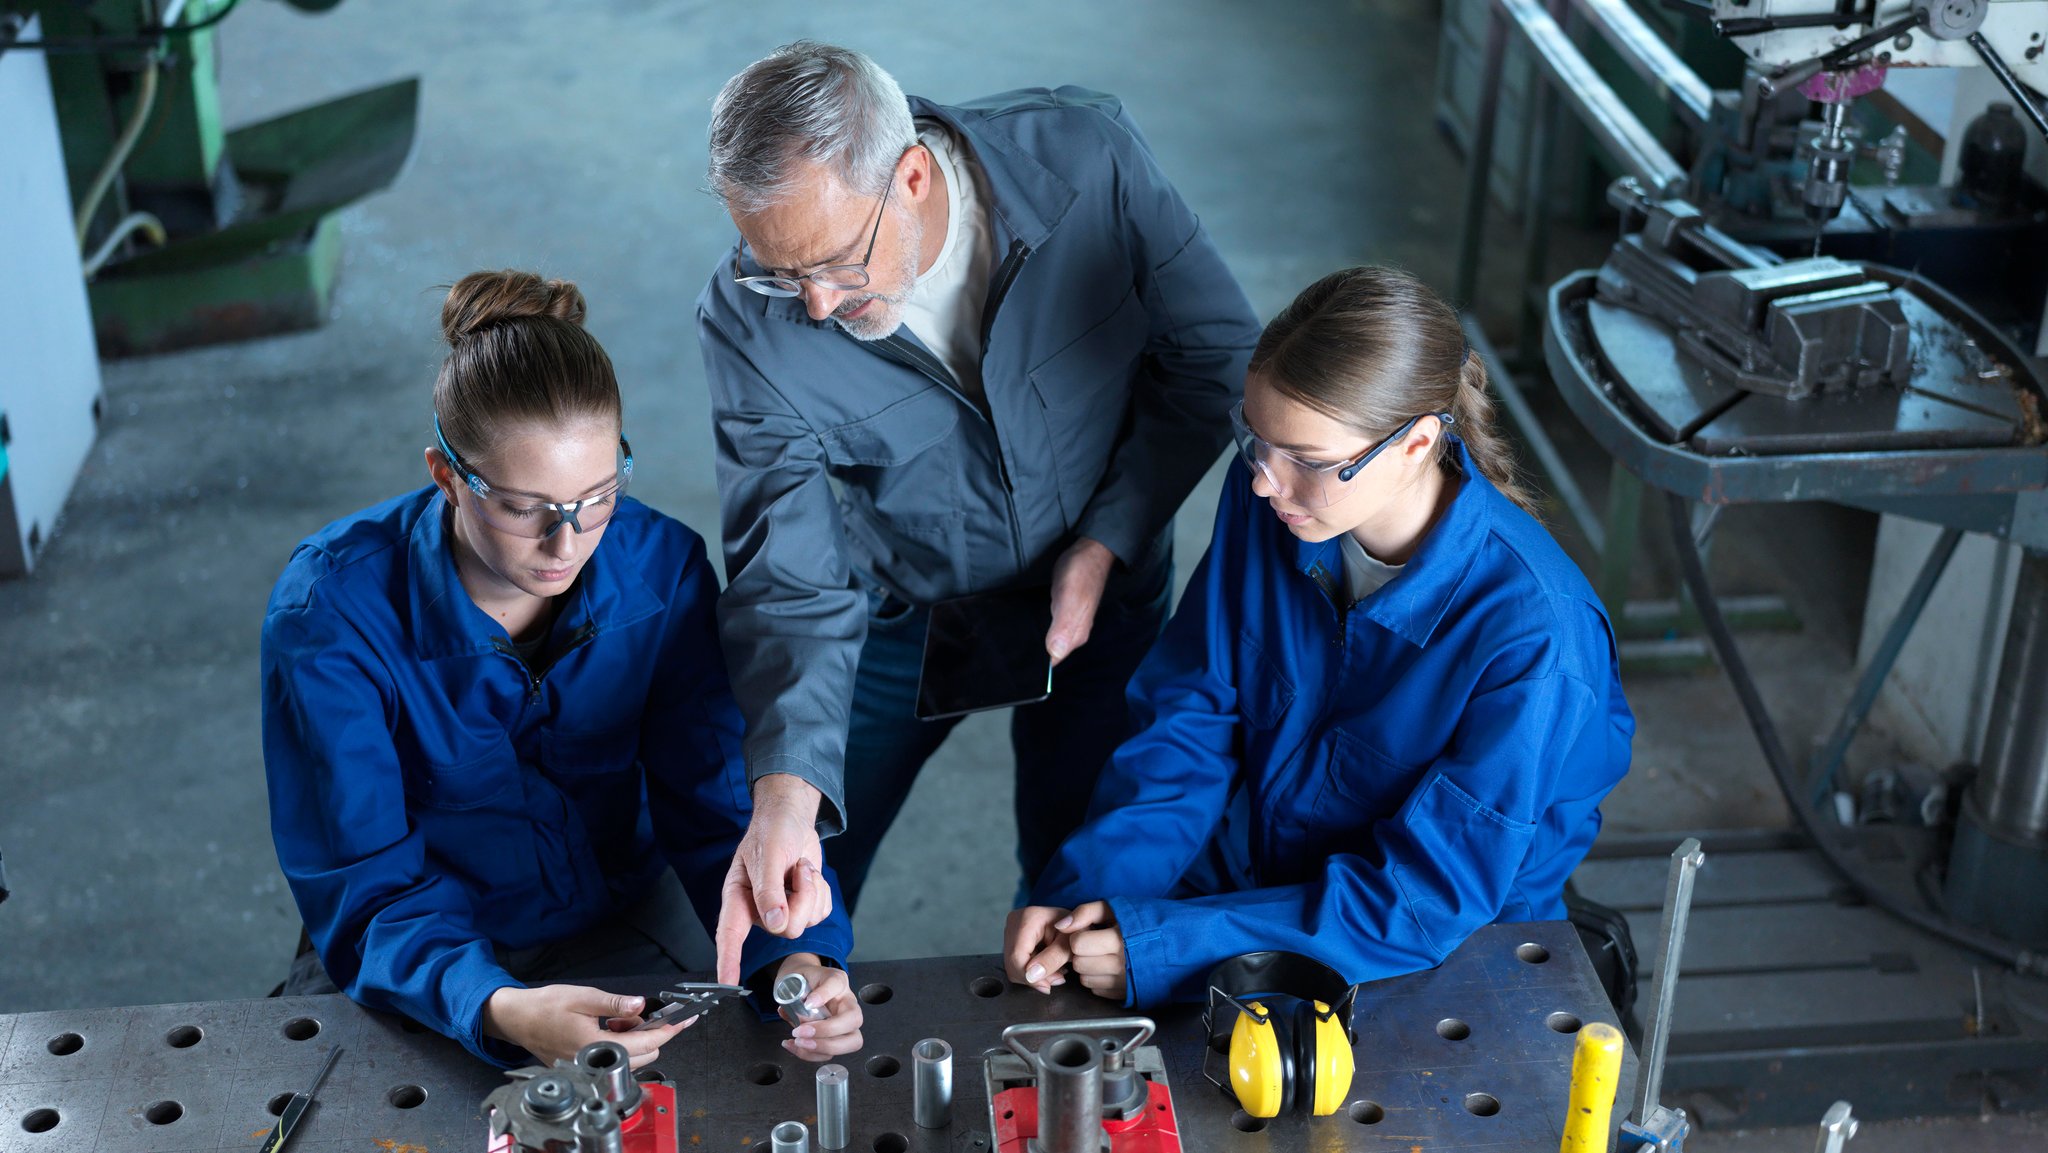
[(1015, 1034)]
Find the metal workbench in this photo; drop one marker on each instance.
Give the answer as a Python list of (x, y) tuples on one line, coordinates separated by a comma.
[(210, 1076)]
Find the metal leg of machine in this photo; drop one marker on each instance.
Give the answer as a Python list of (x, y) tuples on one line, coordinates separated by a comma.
[(1999, 866)]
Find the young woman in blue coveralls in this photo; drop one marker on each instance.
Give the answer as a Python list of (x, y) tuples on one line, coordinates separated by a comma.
[(1388, 706), (495, 715)]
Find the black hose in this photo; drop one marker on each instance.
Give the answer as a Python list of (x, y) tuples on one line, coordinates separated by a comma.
[(1694, 571), (143, 37)]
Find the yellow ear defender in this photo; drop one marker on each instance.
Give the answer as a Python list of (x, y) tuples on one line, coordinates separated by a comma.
[(1282, 1022)]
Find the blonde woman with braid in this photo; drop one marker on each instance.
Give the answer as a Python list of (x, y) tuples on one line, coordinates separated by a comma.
[(1388, 706)]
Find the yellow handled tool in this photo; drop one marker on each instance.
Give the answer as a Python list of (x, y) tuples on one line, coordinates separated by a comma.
[(1596, 1077)]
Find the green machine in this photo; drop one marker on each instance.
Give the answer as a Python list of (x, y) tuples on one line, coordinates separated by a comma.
[(189, 233)]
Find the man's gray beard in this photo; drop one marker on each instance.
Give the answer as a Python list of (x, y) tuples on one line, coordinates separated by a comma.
[(885, 320)]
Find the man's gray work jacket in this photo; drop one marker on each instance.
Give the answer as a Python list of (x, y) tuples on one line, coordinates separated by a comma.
[(1114, 344)]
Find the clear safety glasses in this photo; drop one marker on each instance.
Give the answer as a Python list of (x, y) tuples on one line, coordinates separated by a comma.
[(538, 519), (837, 277), (1312, 484)]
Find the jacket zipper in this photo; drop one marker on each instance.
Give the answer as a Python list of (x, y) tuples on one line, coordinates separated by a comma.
[(1005, 277), (577, 640), (910, 356)]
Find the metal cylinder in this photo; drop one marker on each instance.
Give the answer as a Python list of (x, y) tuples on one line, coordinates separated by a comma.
[(2012, 786), (789, 1137), (598, 1130), (610, 1068), (1999, 863), (1070, 1095), (931, 1099), (832, 1124), (790, 992)]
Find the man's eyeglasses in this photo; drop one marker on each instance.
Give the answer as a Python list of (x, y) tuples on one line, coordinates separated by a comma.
[(1316, 484), (837, 277), (538, 519)]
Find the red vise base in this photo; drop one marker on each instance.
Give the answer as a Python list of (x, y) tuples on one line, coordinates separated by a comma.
[(1153, 1131), (651, 1128)]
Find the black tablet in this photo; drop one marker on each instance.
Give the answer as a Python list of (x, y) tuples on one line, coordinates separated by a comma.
[(986, 651)]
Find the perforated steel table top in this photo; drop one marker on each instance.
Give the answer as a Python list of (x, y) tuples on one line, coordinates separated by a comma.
[(1475, 1054)]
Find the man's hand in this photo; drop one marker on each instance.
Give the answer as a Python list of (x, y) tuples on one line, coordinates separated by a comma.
[(1098, 948), (1077, 581), (554, 1021), (1035, 951), (839, 1032), (775, 879)]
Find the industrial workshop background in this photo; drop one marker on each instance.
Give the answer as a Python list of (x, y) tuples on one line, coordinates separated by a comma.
[(1762, 286)]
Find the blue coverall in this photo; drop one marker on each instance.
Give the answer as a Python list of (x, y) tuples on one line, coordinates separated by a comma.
[(1364, 784), (432, 796)]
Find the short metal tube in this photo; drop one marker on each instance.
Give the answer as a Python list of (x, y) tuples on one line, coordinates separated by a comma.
[(610, 1067), (832, 1126), (932, 1088), (789, 1137), (1070, 1095), (597, 1129), (790, 992)]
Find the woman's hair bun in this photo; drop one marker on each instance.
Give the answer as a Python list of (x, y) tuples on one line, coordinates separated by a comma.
[(484, 300)]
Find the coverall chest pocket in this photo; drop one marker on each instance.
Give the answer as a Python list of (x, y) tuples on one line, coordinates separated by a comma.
[(590, 753), (897, 434), (1361, 783), (1263, 691), (471, 783)]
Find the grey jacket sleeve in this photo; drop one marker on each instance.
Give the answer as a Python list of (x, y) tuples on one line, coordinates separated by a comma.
[(791, 620), (1202, 333)]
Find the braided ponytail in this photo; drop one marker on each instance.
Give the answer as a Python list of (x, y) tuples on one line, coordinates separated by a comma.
[(1472, 405)]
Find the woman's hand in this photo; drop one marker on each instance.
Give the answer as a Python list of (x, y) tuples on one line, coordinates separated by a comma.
[(1098, 948), (1035, 951), (838, 1032), (552, 1022)]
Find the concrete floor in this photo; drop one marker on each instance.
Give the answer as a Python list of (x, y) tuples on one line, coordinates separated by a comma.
[(571, 141)]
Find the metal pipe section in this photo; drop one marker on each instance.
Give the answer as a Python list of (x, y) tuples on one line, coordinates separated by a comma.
[(832, 1126), (932, 1086), (1685, 866), (1602, 112), (790, 992), (610, 1067), (1650, 58), (789, 1137), (2012, 786), (1070, 1095), (597, 1129)]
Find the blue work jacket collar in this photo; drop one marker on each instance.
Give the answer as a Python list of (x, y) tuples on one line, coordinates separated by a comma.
[(446, 623), (1026, 200), (1412, 605)]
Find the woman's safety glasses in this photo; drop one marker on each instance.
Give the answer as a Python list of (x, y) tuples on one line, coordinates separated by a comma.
[(1310, 483), (526, 516)]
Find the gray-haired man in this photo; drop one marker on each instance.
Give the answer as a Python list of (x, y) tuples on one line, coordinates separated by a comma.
[(1004, 336)]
